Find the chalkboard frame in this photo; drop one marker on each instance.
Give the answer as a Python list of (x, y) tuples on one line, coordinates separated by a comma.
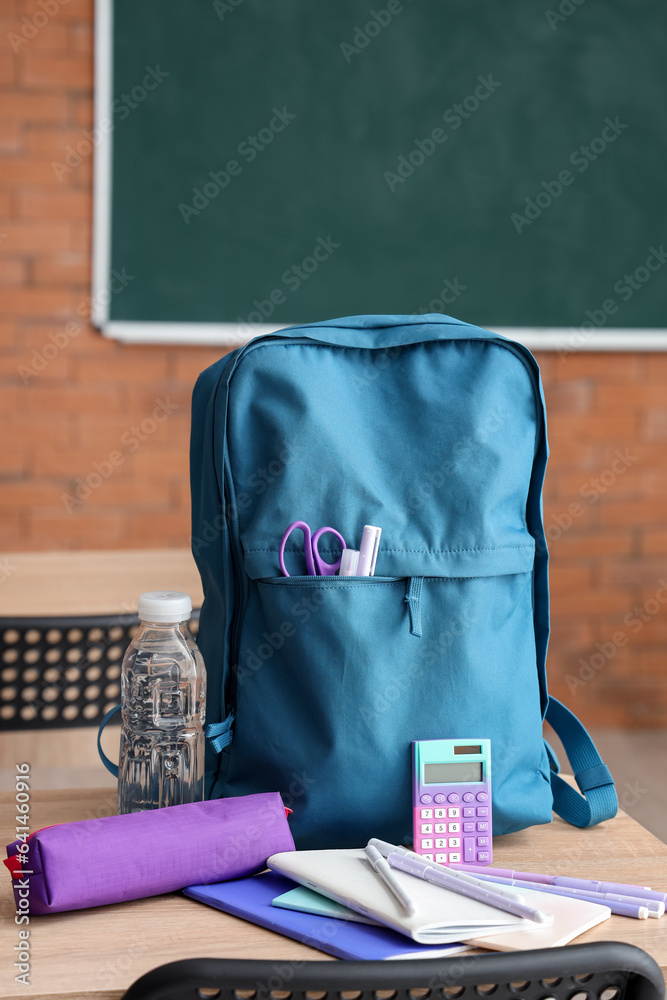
[(232, 334)]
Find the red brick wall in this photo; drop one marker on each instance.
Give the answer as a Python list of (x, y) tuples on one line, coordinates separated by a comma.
[(77, 407)]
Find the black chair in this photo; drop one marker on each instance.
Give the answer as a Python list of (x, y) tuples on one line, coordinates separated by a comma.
[(62, 671), (605, 970)]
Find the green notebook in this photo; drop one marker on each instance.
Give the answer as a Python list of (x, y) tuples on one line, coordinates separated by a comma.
[(308, 901)]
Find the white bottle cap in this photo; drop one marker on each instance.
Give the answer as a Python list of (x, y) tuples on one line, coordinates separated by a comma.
[(164, 606)]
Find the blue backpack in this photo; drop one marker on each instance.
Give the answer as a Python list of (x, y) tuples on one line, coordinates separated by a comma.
[(317, 685)]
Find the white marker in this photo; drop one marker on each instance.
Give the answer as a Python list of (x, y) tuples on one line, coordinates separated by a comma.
[(388, 877), (368, 550), (349, 561)]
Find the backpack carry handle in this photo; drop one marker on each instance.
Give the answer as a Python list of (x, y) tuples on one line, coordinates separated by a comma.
[(598, 801), (387, 332)]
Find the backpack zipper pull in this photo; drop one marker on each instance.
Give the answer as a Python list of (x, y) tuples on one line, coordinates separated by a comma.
[(413, 599)]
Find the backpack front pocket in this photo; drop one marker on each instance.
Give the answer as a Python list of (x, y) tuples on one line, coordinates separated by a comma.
[(333, 683)]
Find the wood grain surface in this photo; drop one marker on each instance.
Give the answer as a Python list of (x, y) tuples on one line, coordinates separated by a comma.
[(97, 953), (93, 583)]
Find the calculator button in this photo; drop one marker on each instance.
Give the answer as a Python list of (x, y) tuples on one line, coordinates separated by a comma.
[(483, 857), (482, 841), (482, 827), (442, 827), (482, 810), (468, 827), (440, 813), (453, 797), (482, 797), (454, 813), (427, 845), (456, 827), (455, 858), (454, 842), (440, 797), (469, 849), (441, 859), (427, 814), (468, 797), (427, 828), (426, 799), (441, 843), (427, 857), (468, 811)]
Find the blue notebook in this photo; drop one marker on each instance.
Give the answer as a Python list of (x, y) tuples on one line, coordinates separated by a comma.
[(252, 899)]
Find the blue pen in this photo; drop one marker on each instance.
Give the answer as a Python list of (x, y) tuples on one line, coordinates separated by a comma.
[(637, 908)]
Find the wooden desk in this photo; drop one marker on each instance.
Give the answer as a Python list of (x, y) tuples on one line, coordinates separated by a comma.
[(98, 953), (107, 582)]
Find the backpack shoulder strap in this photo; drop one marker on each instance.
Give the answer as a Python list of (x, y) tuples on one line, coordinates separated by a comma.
[(598, 801)]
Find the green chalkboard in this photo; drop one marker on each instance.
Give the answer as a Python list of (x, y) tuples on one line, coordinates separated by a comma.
[(292, 160)]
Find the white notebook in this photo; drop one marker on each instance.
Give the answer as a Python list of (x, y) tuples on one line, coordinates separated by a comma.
[(441, 916), (571, 918)]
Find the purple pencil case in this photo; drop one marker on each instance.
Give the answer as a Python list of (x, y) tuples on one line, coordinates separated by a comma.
[(110, 860)]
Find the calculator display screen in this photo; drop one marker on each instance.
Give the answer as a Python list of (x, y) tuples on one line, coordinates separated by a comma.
[(438, 774)]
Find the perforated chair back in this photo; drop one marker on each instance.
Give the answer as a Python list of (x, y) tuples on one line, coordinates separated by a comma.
[(62, 671), (605, 970)]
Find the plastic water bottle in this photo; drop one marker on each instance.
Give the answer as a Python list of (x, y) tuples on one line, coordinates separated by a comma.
[(163, 699)]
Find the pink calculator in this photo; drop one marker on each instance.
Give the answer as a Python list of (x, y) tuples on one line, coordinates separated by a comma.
[(451, 800)]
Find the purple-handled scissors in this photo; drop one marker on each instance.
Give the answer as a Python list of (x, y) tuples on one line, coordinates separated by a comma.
[(315, 565)]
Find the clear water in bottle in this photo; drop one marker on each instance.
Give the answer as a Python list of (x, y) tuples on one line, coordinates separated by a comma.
[(163, 699)]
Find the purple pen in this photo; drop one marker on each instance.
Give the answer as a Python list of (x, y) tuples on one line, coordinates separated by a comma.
[(642, 892), (626, 890), (637, 910), (503, 873)]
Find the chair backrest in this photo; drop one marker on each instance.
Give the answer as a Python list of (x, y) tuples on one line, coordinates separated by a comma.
[(62, 671), (605, 970)]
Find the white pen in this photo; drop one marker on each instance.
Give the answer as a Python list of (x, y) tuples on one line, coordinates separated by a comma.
[(386, 849), (415, 865), (386, 874), (368, 550)]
